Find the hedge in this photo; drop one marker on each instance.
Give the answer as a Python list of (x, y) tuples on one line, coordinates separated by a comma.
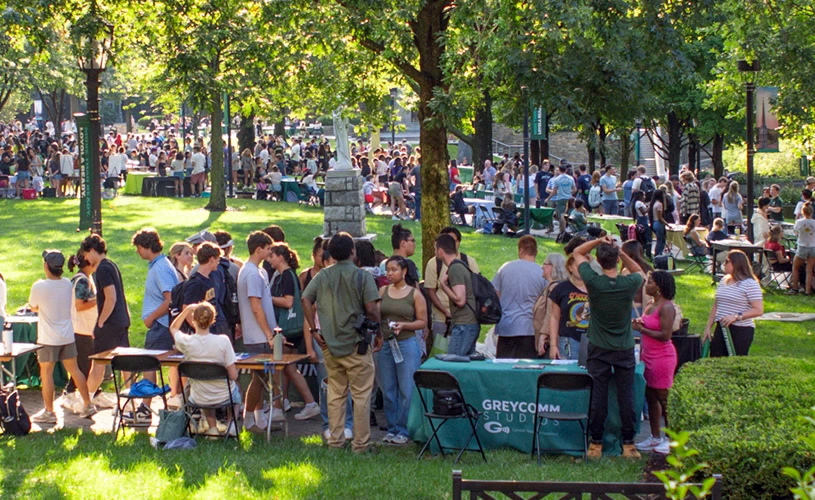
[(743, 414)]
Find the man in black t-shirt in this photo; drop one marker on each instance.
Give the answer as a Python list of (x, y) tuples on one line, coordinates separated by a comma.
[(111, 330), (542, 179), (201, 286)]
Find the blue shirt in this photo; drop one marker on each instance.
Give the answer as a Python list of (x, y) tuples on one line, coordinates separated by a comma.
[(161, 277), (583, 186), (562, 185), (609, 182), (627, 186)]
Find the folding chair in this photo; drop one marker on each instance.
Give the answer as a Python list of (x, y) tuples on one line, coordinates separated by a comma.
[(134, 365), (193, 370), (779, 274), (623, 230), (697, 260), (564, 382), (436, 381)]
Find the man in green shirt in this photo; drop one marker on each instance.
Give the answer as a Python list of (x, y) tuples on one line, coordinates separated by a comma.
[(611, 341), (456, 283), (776, 210), (342, 292)]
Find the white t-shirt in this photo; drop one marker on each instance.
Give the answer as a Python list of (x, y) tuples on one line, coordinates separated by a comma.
[(295, 152), (53, 298), (210, 349), (177, 165), (153, 159), (116, 164), (264, 156), (805, 229), (199, 162), (66, 164), (715, 194)]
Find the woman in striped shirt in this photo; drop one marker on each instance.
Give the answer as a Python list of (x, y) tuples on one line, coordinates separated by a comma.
[(738, 301)]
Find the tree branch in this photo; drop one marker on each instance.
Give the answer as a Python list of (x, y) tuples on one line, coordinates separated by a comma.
[(405, 67)]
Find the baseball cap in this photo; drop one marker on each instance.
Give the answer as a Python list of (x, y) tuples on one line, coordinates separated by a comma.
[(53, 258), (201, 237), (810, 180)]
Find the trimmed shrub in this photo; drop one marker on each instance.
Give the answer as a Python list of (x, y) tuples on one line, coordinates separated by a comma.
[(743, 414)]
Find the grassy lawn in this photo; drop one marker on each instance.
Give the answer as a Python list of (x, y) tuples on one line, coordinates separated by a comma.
[(72, 464)]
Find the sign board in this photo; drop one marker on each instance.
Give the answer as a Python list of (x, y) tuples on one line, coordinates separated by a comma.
[(83, 129), (537, 130), (766, 120)]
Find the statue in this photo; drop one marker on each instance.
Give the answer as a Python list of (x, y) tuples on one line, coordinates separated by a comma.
[(341, 132)]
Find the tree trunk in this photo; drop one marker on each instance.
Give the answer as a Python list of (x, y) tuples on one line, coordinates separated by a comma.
[(601, 144), (280, 128), (535, 152), (428, 30), (482, 138), (626, 146), (718, 148), (246, 134), (692, 155), (592, 154), (674, 143), (217, 198)]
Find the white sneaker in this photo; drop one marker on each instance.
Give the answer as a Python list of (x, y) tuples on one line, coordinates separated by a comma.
[(44, 417), (311, 410), (277, 415), (87, 412), (69, 401), (388, 438), (327, 434), (286, 405), (400, 440), (104, 400), (664, 447), (349, 434), (649, 444), (176, 401), (212, 432)]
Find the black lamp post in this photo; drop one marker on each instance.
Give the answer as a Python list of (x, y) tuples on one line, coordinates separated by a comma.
[(394, 92), (526, 161), (638, 124), (95, 45), (750, 68)]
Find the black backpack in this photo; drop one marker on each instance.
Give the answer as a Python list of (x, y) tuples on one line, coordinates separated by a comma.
[(647, 186), (230, 303), (177, 304), (487, 304), (15, 419)]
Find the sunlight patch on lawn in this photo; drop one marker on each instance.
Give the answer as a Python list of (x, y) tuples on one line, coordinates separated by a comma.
[(294, 480)]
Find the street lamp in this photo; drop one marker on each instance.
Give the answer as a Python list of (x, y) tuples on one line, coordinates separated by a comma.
[(750, 68), (95, 42), (394, 92), (638, 124)]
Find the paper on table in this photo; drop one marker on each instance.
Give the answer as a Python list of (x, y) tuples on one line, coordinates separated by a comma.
[(136, 351), (564, 361), (505, 360)]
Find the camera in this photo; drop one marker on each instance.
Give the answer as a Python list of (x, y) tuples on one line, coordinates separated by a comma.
[(367, 329)]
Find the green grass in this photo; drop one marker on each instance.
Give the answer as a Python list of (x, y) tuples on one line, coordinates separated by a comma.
[(72, 464)]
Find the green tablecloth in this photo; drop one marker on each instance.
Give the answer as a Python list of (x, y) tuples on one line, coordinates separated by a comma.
[(506, 398), (290, 186), (465, 175), (134, 182), (28, 371), (609, 222)]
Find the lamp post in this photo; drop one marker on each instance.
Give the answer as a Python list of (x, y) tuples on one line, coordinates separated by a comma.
[(750, 68), (526, 163), (638, 124), (394, 91), (95, 42)]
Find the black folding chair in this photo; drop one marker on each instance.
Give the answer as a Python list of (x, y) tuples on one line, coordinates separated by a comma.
[(780, 274), (436, 381), (697, 260), (135, 366), (564, 382), (194, 370)]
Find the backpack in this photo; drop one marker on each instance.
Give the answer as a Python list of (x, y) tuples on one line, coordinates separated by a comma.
[(487, 304), (647, 186), (177, 304), (230, 303), (15, 419), (595, 196), (290, 320)]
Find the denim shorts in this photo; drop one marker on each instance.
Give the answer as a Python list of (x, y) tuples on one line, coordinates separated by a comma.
[(805, 252), (23, 175), (181, 174)]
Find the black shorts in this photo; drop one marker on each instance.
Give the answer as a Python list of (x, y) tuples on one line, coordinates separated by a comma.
[(295, 339), (110, 337)]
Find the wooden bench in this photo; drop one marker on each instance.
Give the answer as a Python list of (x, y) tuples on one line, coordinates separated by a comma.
[(484, 490)]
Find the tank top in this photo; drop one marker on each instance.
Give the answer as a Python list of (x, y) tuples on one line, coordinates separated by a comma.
[(652, 347), (399, 311), (83, 321)]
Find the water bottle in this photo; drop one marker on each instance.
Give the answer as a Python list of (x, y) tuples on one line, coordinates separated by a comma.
[(278, 344), (394, 345), (637, 353)]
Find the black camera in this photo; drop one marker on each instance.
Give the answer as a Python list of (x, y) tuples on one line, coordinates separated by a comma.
[(367, 329)]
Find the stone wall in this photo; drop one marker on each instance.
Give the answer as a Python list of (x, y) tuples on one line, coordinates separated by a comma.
[(344, 208)]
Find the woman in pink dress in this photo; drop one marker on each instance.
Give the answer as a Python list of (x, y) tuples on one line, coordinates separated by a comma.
[(658, 354)]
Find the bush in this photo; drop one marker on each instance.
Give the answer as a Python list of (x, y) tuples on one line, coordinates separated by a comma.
[(743, 414)]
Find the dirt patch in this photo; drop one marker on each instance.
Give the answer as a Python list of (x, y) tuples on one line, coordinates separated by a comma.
[(656, 462)]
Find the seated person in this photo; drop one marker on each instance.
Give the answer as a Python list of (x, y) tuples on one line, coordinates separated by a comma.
[(696, 245), (373, 196), (459, 207), (718, 232), (781, 261), (206, 347), (275, 178), (507, 219), (262, 190), (578, 221)]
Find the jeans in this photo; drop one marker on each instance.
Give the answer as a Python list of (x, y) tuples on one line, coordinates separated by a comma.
[(602, 364), (417, 212), (570, 352), (322, 376), (659, 231), (462, 339), (396, 382), (610, 207), (643, 221)]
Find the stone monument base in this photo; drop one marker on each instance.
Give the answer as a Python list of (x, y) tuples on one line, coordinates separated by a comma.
[(344, 208)]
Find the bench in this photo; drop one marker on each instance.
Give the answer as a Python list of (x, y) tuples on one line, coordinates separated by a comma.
[(569, 490)]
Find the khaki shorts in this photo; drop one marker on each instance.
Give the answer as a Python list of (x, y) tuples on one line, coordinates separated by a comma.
[(54, 353)]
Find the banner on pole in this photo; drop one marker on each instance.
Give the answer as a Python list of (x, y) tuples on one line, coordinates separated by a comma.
[(537, 130), (83, 129), (766, 120)]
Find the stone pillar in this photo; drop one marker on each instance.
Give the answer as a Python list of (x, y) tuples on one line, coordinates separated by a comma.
[(344, 208)]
